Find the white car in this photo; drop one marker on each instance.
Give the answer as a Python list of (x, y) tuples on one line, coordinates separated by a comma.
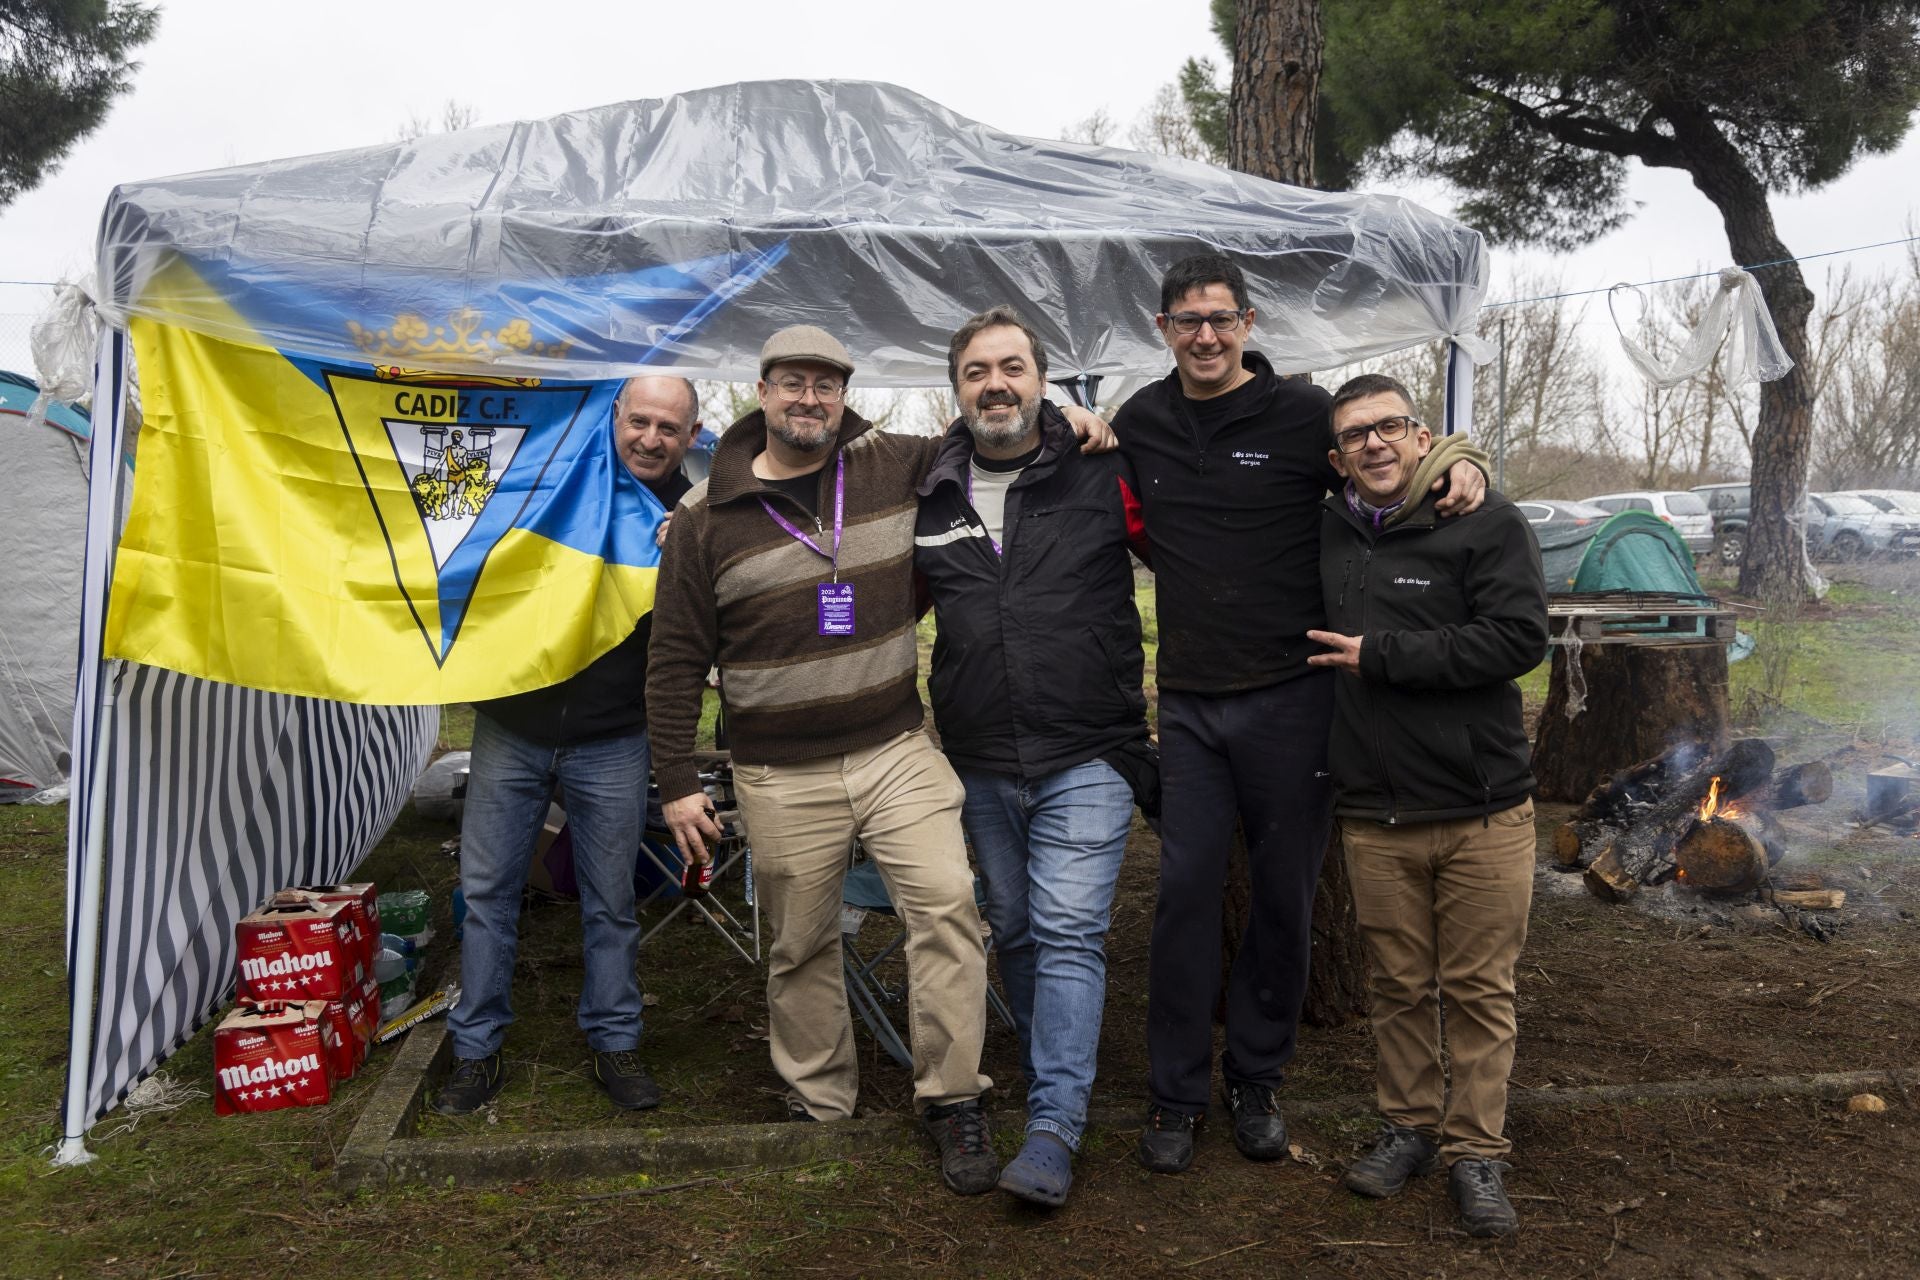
[(1684, 511)]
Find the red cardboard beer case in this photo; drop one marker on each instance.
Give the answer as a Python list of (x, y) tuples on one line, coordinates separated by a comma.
[(344, 1051), (364, 900), (266, 1059), (298, 951)]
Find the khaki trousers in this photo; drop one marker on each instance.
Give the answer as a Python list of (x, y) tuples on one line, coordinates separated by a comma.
[(902, 800), (1443, 907)]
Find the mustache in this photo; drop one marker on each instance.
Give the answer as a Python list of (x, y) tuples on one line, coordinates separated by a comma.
[(999, 399)]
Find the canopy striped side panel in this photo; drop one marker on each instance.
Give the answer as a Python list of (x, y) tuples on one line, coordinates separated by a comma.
[(217, 796)]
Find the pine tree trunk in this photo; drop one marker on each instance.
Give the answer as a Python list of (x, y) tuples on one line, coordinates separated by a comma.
[(1776, 566), (1277, 54), (1278, 51)]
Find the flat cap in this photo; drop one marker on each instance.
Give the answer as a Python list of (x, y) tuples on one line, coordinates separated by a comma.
[(805, 342)]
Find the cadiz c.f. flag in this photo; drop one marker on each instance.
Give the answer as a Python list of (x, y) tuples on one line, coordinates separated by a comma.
[(372, 532)]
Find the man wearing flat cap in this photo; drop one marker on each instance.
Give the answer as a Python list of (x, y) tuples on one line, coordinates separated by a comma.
[(792, 569)]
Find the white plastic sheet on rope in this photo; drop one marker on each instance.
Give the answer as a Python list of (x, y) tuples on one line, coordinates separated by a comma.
[(64, 341), (1737, 309)]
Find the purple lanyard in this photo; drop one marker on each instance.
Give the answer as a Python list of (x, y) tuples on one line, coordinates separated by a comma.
[(839, 510), (983, 524)]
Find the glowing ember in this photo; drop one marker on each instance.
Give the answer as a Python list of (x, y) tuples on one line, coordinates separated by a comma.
[(1711, 805)]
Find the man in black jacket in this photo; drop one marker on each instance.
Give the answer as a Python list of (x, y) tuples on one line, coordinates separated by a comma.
[(1021, 542), (1432, 621), (1232, 463), (588, 733)]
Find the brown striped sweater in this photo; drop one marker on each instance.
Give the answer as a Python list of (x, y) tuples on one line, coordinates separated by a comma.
[(737, 590)]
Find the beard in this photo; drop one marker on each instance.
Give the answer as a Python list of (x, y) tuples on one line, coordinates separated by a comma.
[(1005, 434), (799, 435)]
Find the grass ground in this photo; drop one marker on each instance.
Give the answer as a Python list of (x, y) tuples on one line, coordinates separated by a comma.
[(1608, 995)]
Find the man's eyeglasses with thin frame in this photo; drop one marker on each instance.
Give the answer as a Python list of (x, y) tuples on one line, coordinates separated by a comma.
[(1187, 323), (1354, 439), (825, 390)]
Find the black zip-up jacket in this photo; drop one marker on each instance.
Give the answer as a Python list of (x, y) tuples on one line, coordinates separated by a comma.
[(1037, 662), (605, 699), (1450, 612), (1234, 522)]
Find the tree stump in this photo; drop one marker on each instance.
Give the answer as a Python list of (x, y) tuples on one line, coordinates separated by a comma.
[(1337, 980), (1337, 977), (1641, 699)]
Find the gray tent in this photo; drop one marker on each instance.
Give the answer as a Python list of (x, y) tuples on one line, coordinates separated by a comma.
[(43, 529)]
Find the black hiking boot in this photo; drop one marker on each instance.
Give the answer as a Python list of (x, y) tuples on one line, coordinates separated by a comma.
[(1481, 1197), (471, 1086), (1259, 1130), (1166, 1143), (1398, 1155), (619, 1072), (967, 1163)]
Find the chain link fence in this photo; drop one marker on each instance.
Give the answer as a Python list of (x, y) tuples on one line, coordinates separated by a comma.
[(21, 303)]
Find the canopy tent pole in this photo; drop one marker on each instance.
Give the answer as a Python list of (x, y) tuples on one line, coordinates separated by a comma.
[(92, 722), (1459, 393)]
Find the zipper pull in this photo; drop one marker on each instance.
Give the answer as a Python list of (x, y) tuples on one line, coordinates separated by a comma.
[(1346, 580)]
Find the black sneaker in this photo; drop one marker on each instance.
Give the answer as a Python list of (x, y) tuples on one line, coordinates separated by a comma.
[(471, 1086), (967, 1163), (1259, 1130), (619, 1072), (1398, 1155), (1482, 1198), (1166, 1143), (797, 1112)]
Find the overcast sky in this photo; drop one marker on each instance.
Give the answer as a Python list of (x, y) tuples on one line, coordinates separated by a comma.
[(237, 81)]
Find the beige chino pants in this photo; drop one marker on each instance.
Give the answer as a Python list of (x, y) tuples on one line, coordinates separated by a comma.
[(1443, 907), (902, 800)]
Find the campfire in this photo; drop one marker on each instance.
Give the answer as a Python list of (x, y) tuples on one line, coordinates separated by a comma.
[(1695, 817)]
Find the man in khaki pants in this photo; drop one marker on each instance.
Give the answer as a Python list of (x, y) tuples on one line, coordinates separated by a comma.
[(1432, 621), (792, 568)]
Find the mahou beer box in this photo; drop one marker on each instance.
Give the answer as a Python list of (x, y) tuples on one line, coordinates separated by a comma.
[(299, 950), (363, 901), (266, 1059)]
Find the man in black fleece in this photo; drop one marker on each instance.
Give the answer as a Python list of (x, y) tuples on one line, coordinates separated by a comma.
[(588, 733), (1431, 621), (1231, 461)]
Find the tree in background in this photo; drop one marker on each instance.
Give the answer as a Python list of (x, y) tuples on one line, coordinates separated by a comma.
[(1532, 109), (1273, 105), (62, 63)]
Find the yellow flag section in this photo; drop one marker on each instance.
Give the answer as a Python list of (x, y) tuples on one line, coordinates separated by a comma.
[(372, 534)]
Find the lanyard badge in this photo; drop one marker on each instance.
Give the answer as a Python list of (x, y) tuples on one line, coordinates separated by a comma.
[(835, 597)]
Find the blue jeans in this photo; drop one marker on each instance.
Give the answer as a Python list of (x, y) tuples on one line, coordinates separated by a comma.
[(603, 788), (1049, 851)]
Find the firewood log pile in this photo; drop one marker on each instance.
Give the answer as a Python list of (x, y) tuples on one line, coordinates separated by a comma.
[(1701, 818)]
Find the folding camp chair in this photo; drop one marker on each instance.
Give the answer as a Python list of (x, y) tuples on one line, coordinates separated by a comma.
[(733, 851), (870, 994)]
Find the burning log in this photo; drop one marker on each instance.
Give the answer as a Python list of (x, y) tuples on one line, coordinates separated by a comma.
[(1729, 851), (1640, 784), (1809, 783), (1579, 841), (1643, 853)]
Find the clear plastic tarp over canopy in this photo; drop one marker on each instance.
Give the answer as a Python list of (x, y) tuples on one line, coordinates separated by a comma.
[(683, 231)]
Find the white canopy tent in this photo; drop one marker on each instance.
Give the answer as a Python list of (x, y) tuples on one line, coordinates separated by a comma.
[(678, 234)]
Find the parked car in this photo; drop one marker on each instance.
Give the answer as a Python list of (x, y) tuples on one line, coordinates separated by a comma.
[(1900, 502), (1684, 511), (1852, 526), (1728, 505), (1540, 511)]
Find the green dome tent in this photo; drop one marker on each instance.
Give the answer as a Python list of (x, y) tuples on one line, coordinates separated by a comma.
[(1634, 551)]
